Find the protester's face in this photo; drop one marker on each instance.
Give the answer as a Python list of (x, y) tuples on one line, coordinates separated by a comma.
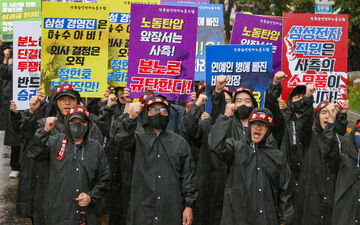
[(324, 117), (157, 108), (227, 98), (296, 98), (65, 103), (258, 131), (120, 95), (243, 99), (78, 120)]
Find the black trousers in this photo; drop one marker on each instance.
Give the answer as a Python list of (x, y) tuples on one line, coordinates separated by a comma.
[(14, 158)]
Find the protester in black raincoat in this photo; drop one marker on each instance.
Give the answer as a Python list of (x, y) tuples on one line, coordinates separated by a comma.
[(117, 199), (34, 178), (258, 183), (318, 174), (347, 190), (78, 169), (163, 186), (210, 171)]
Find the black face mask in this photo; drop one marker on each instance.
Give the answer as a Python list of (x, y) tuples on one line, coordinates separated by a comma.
[(298, 105), (243, 112), (77, 130), (158, 121)]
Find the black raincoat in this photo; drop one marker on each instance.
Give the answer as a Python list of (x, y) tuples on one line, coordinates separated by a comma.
[(318, 175), (347, 190), (258, 183), (84, 168), (163, 176), (210, 171)]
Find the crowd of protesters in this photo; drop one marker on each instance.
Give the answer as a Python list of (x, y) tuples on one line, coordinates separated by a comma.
[(114, 161)]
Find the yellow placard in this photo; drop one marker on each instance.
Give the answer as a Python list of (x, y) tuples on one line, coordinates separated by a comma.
[(119, 29), (74, 45)]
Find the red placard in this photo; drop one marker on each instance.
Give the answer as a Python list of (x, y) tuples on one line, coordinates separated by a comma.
[(315, 50)]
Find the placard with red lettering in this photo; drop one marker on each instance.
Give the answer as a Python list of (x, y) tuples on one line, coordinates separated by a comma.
[(162, 50), (315, 51), (26, 67)]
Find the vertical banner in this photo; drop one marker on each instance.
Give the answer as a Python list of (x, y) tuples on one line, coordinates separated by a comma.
[(26, 69), (162, 50), (247, 66), (75, 47), (210, 31), (259, 30), (119, 29), (315, 51), (17, 10)]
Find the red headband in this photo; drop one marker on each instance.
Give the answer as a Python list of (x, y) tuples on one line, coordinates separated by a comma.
[(227, 89), (156, 100), (64, 87), (261, 116), (357, 125), (79, 110), (320, 106), (201, 86), (145, 96), (240, 89)]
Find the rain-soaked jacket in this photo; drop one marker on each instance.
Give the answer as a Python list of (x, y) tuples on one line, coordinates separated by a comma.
[(318, 176), (163, 176), (257, 190), (347, 190), (83, 169)]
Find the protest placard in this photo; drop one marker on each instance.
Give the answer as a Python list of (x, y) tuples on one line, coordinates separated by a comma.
[(315, 52), (162, 50), (75, 47)]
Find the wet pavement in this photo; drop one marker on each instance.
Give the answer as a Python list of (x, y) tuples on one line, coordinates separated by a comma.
[(8, 189)]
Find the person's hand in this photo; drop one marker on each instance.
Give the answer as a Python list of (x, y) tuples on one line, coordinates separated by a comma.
[(187, 216), (230, 108), (282, 104), (201, 100), (332, 109), (310, 90), (205, 116), (13, 107), (50, 123), (221, 83), (127, 95), (193, 96), (41, 94), (106, 95), (135, 110), (83, 200), (35, 102), (111, 101), (346, 107), (279, 77), (10, 61)]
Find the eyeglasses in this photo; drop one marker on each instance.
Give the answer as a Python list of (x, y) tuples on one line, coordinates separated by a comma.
[(154, 110), (259, 125)]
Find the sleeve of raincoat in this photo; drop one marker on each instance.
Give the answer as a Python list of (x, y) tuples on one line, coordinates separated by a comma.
[(192, 126), (218, 140), (218, 105), (305, 121), (286, 210), (273, 92), (103, 121), (189, 191), (42, 143), (102, 177), (123, 132), (331, 146), (341, 123), (28, 125)]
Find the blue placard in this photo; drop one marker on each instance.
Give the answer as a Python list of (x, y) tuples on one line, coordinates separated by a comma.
[(247, 66), (325, 9), (210, 31)]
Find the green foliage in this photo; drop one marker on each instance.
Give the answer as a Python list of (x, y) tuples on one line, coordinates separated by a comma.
[(351, 7), (354, 98)]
